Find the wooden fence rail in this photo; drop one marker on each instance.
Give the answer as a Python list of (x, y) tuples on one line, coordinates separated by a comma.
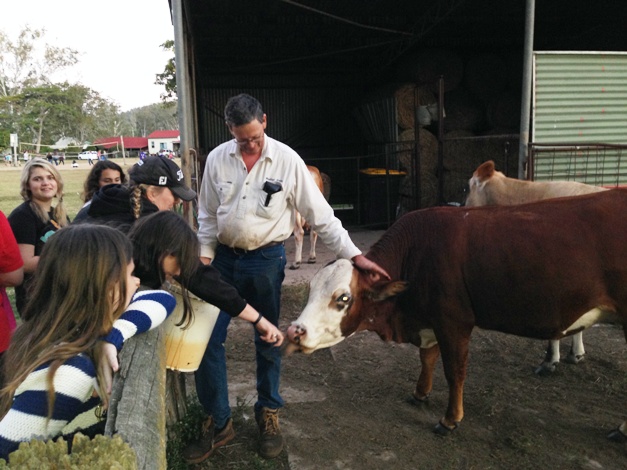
[(138, 399)]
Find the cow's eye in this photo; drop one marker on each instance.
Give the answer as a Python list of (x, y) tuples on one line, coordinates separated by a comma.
[(344, 299)]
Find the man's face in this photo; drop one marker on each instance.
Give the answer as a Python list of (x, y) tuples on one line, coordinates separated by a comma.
[(250, 136)]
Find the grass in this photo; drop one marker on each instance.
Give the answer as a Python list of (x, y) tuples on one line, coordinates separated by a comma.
[(73, 180)]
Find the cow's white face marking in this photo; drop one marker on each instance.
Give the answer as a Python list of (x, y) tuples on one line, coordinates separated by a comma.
[(329, 299)]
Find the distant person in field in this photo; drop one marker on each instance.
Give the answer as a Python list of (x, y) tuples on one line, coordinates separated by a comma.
[(36, 219)]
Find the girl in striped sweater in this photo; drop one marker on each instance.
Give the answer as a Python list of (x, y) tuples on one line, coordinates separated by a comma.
[(83, 304)]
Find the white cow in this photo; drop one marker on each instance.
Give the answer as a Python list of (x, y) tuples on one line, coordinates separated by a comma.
[(491, 187), (300, 225)]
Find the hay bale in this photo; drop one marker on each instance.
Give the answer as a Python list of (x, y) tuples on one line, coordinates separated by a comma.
[(428, 151), (455, 186), (504, 150), (462, 155), (428, 65), (462, 111), (486, 76), (514, 69), (428, 193), (408, 97), (503, 111)]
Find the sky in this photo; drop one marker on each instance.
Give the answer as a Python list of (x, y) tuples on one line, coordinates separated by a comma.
[(118, 42)]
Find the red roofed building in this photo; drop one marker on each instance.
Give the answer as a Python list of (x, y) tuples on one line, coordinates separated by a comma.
[(114, 144), (164, 141)]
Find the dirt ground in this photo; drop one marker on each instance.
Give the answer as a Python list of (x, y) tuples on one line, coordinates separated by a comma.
[(347, 407)]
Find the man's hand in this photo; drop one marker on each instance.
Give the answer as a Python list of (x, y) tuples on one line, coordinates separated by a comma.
[(205, 260), (365, 264)]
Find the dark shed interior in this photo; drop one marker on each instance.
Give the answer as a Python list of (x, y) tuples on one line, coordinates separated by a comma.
[(348, 84)]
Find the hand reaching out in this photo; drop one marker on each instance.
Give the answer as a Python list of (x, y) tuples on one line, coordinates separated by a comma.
[(269, 333)]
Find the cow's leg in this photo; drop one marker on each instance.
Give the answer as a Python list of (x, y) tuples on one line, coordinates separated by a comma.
[(313, 237), (455, 360), (551, 359), (299, 235), (428, 358), (577, 351)]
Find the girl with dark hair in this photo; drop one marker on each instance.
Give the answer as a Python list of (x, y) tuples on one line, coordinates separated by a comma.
[(101, 174), (165, 248), (84, 291)]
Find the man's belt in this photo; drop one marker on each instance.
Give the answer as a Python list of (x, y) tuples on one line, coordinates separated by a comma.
[(241, 251)]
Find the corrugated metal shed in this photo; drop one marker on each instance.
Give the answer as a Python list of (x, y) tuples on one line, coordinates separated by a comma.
[(580, 98)]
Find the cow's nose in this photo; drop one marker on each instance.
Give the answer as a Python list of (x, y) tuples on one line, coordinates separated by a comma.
[(294, 333)]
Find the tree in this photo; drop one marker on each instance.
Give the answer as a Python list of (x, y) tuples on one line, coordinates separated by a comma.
[(27, 62), (146, 119), (45, 114), (168, 77)]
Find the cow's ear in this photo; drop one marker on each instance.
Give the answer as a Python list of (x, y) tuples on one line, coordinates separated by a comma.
[(387, 290), (485, 170)]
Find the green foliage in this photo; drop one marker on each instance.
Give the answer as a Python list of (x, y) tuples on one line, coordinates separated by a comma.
[(42, 112), (168, 77), (242, 456), (100, 453), (182, 433)]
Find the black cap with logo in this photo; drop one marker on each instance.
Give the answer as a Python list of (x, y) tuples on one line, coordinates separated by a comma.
[(161, 171)]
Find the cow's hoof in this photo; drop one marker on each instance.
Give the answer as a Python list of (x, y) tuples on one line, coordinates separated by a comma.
[(573, 359), (444, 430), (295, 266), (311, 261), (418, 401), (617, 436), (545, 369)]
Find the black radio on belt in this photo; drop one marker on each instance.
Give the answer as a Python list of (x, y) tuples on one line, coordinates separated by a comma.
[(271, 188)]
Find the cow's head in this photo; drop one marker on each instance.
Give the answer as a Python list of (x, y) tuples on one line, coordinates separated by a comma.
[(479, 184), (341, 301)]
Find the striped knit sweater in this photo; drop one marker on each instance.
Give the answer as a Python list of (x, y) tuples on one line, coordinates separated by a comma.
[(75, 382)]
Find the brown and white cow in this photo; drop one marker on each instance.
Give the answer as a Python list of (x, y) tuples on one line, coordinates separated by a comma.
[(300, 225), (543, 270), (490, 187)]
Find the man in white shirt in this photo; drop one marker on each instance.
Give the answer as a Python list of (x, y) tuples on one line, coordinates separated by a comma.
[(250, 188)]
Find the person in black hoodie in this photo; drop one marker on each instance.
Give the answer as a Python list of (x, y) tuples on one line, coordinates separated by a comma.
[(156, 184)]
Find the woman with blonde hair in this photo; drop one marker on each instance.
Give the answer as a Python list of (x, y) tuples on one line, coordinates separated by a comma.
[(83, 304), (36, 219)]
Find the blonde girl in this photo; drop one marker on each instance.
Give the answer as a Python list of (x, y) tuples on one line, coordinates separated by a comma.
[(36, 218)]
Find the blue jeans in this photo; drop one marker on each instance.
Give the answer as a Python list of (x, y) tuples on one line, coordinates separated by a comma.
[(258, 276)]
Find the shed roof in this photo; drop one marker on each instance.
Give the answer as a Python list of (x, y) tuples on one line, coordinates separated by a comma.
[(131, 143), (247, 43), (165, 134)]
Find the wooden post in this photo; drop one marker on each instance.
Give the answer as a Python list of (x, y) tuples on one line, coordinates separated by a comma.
[(137, 405), (123, 152)]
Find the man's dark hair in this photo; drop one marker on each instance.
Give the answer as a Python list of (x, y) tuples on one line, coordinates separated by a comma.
[(242, 109)]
